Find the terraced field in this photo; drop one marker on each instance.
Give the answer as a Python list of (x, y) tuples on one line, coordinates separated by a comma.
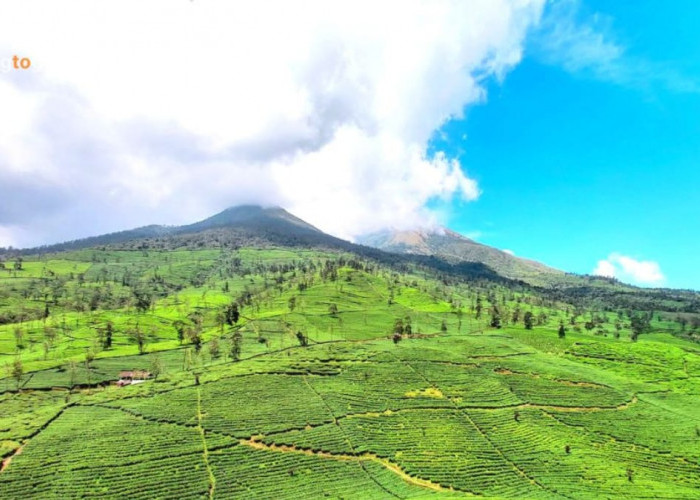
[(437, 416), (453, 409)]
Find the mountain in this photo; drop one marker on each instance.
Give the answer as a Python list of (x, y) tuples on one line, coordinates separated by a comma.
[(253, 225), (439, 251), (455, 248), (253, 217), (239, 225)]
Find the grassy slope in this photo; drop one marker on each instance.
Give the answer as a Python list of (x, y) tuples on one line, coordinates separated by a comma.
[(468, 411)]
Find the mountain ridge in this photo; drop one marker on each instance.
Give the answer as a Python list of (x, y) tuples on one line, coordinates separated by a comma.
[(445, 243), (447, 253)]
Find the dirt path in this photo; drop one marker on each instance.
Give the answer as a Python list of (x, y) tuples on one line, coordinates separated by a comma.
[(345, 436), (364, 457), (6, 462), (485, 436), (205, 451)]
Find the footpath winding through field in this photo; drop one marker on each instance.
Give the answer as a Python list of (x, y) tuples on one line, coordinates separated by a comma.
[(7, 460), (205, 451), (364, 457)]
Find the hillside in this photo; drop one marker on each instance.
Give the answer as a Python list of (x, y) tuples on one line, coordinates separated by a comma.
[(337, 377), (438, 251), (453, 247), (239, 224), (285, 362)]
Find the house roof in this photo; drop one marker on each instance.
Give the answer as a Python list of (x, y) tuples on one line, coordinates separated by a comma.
[(140, 374)]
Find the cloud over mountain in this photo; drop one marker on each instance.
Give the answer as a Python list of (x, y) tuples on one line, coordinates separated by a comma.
[(627, 269), (137, 112)]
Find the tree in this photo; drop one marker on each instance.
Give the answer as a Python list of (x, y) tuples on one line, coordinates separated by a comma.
[(478, 307), (196, 340), (49, 334), (333, 309), (292, 303), (187, 361), (443, 326), (138, 336), (17, 371), (232, 314), (89, 358), (179, 326), (19, 338), (236, 341), (72, 372), (109, 332), (528, 320), (156, 367), (194, 334), (191, 364), (407, 328), (214, 350), (541, 318), (516, 316), (495, 317), (562, 330), (639, 324), (303, 339), (142, 299), (18, 264)]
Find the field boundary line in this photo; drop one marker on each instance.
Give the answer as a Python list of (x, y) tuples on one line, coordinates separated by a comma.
[(617, 439), (33, 434), (157, 421), (347, 438), (345, 457), (205, 451), (483, 434)]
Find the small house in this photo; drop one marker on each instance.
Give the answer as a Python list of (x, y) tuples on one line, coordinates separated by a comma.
[(133, 377)]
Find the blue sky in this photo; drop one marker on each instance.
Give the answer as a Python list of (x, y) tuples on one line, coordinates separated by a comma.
[(575, 164), (563, 130)]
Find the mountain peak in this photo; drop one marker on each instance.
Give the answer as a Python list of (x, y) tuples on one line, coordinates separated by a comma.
[(251, 216), (449, 245)]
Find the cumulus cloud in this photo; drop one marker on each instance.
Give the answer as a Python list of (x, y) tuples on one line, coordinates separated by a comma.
[(509, 252), (165, 112), (626, 268), (586, 44)]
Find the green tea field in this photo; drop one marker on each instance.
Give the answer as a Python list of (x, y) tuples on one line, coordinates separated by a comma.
[(280, 373)]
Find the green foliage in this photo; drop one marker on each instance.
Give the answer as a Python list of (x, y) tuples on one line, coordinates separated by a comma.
[(319, 402)]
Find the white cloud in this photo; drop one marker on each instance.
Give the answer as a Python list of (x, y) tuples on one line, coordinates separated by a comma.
[(509, 252), (587, 44), (605, 268), (626, 268), (164, 112)]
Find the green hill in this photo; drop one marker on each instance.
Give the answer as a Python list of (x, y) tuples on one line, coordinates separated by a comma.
[(287, 363)]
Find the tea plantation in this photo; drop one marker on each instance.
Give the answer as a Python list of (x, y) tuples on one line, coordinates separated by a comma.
[(293, 373)]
